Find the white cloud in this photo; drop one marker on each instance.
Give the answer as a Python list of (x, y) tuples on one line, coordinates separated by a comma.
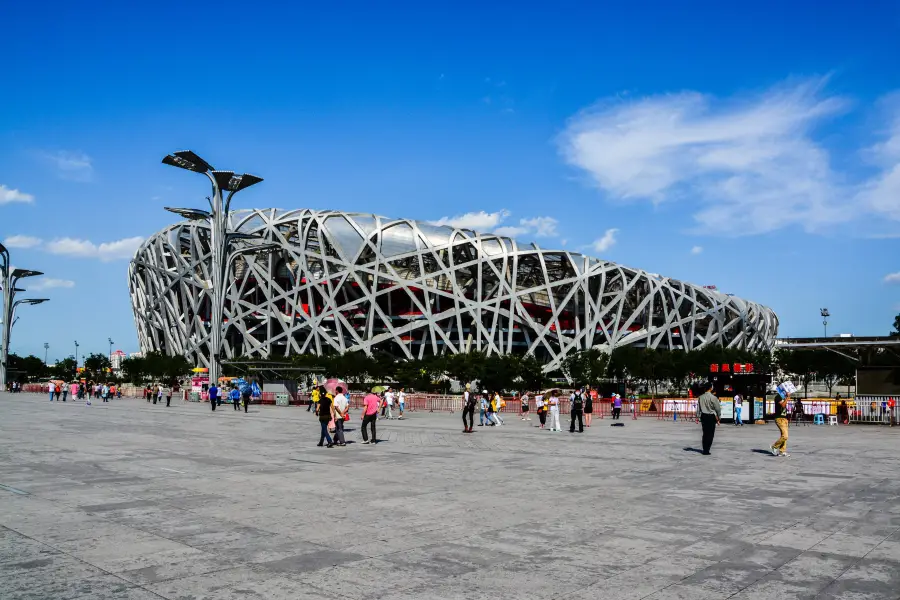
[(747, 166), (46, 283), (74, 166), (8, 196), (892, 277), (697, 250), (106, 251), (511, 231), (21, 241), (477, 221), (542, 226), (606, 242), (882, 193)]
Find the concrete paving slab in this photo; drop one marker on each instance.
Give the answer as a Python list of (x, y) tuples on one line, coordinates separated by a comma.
[(130, 500)]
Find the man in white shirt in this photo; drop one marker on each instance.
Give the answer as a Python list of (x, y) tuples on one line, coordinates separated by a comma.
[(401, 399), (341, 405), (738, 405), (389, 401)]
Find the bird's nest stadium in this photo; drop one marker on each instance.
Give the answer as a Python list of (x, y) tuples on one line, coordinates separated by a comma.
[(349, 281)]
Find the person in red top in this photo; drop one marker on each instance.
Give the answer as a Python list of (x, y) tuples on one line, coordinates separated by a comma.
[(370, 414)]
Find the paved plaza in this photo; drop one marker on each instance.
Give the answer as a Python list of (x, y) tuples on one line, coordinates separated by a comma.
[(129, 500)]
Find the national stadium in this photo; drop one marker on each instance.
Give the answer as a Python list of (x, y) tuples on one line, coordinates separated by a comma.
[(339, 282)]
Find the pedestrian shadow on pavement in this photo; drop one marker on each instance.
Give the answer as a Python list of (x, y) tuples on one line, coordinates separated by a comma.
[(761, 451), (697, 450)]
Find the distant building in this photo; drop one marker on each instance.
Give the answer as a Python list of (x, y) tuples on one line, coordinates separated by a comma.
[(136, 355), (115, 360)]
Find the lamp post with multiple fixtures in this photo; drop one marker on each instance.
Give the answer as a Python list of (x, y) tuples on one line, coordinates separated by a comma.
[(76, 356), (9, 277), (220, 238), (825, 314)]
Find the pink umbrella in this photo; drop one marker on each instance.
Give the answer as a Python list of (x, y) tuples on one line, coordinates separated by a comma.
[(332, 384)]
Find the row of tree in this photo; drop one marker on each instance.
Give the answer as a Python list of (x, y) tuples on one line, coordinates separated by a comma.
[(667, 371)]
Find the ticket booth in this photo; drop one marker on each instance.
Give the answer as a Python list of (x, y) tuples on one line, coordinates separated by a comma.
[(730, 379)]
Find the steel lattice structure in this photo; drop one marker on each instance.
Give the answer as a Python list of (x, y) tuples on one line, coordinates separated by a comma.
[(350, 281)]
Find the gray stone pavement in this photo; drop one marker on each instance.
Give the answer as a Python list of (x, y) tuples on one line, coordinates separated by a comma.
[(129, 500)]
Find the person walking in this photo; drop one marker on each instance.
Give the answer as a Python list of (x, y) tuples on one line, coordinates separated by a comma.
[(159, 392), (369, 416), (65, 391), (554, 411), (738, 406), (245, 396), (213, 393), (577, 407), (779, 448), (709, 411), (525, 407), (57, 390), (482, 415), (326, 415), (541, 408), (401, 401), (389, 404), (341, 406), (105, 393), (588, 406), (235, 396), (468, 410), (497, 404)]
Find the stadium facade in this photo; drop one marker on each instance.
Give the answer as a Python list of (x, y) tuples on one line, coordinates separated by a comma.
[(351, 281)]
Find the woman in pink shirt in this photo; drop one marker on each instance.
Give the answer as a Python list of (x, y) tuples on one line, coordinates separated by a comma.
[(370, 413)]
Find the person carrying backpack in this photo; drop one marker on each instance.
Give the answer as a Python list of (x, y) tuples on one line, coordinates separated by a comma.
[(577, 400), (246, 397)]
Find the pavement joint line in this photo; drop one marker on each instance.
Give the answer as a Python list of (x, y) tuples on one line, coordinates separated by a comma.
[(130, 584), (13, 490)]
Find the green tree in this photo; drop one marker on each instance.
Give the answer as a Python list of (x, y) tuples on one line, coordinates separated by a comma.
[(466, 367), (798, 363), (64, 369), (585, 366), (531, 373), (134, 370), (896, 330), (95, 366), (27, 368)]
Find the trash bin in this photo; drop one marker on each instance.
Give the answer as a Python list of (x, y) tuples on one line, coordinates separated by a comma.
[(282, 399), (195, 397)]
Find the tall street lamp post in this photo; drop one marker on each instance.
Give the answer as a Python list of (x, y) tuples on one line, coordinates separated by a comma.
[(825, 314), (220, 239), (76, 357), (46, 350), (9, 277)]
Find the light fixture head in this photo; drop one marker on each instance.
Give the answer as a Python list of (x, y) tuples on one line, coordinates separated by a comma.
[(240, 182), (194, 214), (34, 300), (188, 160), (824, 312), (20, 273), (223, 178)]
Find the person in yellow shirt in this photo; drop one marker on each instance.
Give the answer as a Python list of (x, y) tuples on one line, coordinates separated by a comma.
[(314, 400), (496, 405)]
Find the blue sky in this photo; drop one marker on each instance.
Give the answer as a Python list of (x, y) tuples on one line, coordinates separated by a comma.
[(752, 147)]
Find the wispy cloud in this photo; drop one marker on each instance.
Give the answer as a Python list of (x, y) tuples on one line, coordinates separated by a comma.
[(606, 242), (73, 166), (541, 226), (892, 277), (21, 241), (697, 250), (882, 193), (106, 251), (477, 221), (8, 196), (746, 166), (47, 283)]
